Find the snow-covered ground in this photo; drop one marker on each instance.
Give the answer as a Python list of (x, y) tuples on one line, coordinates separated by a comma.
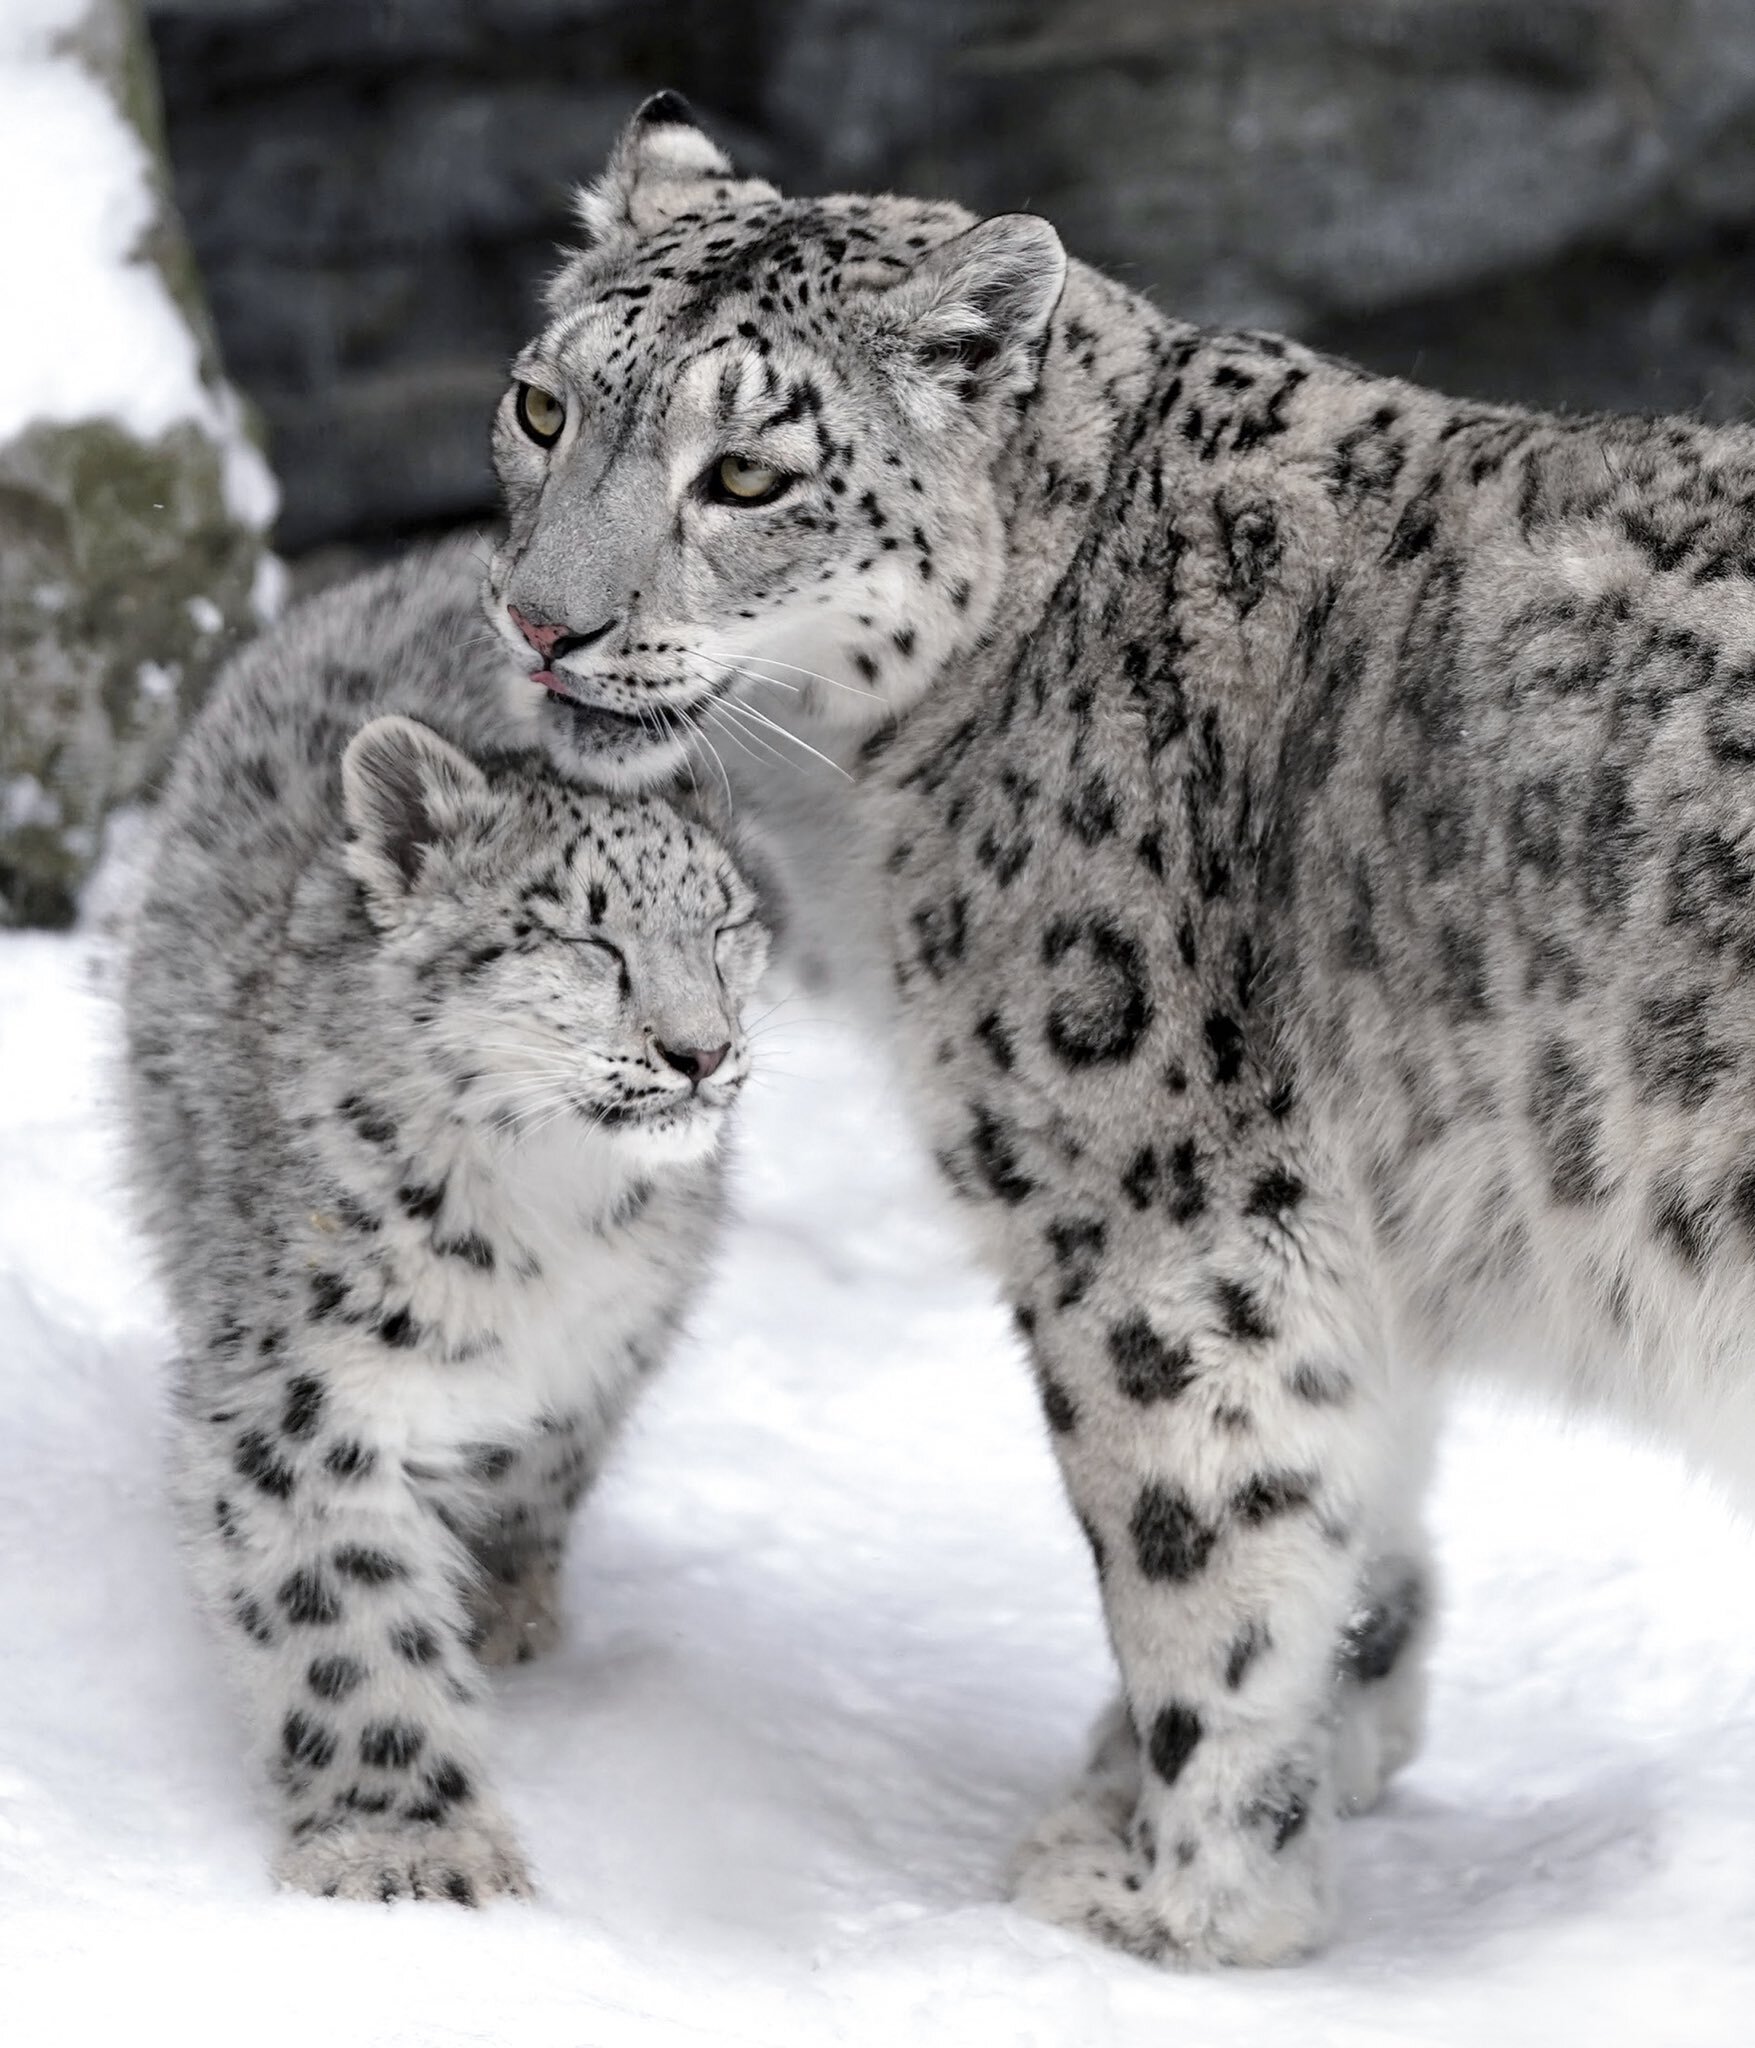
[(833, 1641)]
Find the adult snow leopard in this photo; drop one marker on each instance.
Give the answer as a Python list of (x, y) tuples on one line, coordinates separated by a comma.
[(429, 1058), (1309, 828)]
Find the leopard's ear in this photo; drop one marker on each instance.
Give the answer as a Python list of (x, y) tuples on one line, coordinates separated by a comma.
[(405, 791), (972, 313), (663, 165)]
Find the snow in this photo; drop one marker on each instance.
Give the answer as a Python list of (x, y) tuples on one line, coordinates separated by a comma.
[(833, 1641), (94, 333)]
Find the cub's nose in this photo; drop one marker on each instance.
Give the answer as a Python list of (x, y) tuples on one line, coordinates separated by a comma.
[(697, 1061)]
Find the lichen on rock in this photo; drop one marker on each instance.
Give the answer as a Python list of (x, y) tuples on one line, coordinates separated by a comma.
[(133, 500)]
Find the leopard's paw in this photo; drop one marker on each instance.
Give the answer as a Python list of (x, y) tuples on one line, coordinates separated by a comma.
[(466, 1862)]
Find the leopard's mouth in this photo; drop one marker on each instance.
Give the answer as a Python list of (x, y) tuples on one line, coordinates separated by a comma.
[(656, 1120), (593, 724)]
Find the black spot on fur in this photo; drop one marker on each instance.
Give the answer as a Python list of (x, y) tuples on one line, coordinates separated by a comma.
[(1090, 813), (992, 1033), (1269, 1495), (1251, 1642), (414, 1642), (1077, 1243), (373, 1124), (1058, 1406), (1170, 1539), (307, 1598), (1186, 1195), (248, 1614), (1102, 1006), (940, 934), (1283, 1813), (1674, 1058), (1564, 1107), (1275, 1194), (391, 1745), (993, 1147), (304, 1406), (357, 1800), (349, 1460), (399, 1330), (306, 1741), (1146, 1368), (1224, 1037), (1140, 1182), (328, 1292), (1682, 1226), (1242, 1314), (472, 1248), (255, 1459), (1323, 1386), (334, 1678), (446, 1785), (1250, 537), (367, 1566), (1175, 1736)]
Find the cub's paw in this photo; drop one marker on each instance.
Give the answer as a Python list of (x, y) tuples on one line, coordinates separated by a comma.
[(514, 1621), (1192, 1901), (467, 1863)]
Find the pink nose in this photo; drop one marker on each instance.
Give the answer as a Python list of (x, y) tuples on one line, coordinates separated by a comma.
[(542, 638), (697, 1061)]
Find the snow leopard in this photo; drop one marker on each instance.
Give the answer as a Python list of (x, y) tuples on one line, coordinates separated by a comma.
[(430, 1058), (1299, 836)]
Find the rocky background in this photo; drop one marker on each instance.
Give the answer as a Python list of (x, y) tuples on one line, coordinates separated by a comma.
[(1547, 200), (1551, 200), (133, 499)]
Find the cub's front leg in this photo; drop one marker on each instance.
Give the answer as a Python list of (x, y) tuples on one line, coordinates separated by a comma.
[(344, 1592), (1217, 1402)]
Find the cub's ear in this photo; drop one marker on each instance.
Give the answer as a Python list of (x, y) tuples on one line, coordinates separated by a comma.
[(404, 790), (972, 312), (662, 166)]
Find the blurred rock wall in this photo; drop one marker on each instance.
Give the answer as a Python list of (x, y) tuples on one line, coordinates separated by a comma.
[(1551, 200)]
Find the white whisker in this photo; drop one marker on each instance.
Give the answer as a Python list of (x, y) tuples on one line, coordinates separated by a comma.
[(720, 713), (795, 668), (750, 711)]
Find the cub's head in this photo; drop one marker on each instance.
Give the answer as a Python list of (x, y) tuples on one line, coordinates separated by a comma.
[(750, 463), (563, 957)]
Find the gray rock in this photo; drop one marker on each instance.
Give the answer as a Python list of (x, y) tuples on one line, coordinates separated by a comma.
[(1513, 197), (125, 570)]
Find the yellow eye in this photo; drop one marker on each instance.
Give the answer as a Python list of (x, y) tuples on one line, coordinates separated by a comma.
[(747, 483), (541, 414)]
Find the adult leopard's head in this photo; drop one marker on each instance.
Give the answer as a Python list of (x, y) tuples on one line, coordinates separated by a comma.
[(751, 460)]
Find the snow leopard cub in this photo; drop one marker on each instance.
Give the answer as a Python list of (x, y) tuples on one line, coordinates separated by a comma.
[(1305, 826), (430, 1060)]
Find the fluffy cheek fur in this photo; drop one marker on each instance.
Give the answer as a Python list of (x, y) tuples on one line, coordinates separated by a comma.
[(536, 1030), (856, 643)]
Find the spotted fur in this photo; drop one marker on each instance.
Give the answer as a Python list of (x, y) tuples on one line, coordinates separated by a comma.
[(1304, 828), (427, 1193)]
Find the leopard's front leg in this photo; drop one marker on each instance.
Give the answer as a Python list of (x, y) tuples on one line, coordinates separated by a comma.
[(1219, 1406)]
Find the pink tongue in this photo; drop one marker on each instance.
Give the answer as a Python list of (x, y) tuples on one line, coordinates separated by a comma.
[(548, 679)]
